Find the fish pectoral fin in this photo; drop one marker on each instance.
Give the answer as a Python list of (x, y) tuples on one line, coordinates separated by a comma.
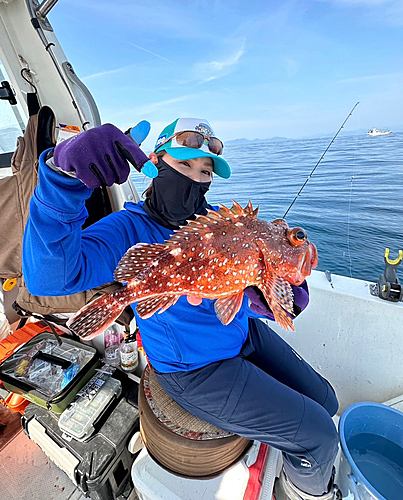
[(137, 260), (280, 297), (227, 307), (168, 303), (280, 291), (147, 307), (282, 317)]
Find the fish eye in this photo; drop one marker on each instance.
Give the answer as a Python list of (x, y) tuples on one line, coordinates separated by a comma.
[(297, 236)]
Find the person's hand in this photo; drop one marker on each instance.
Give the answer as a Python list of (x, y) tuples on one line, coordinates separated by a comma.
[(99, 157), (194, 300), (256, 302), (301, 297), (259, 306)]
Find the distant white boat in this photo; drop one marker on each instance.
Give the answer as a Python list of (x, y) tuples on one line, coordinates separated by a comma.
[(374, 132)]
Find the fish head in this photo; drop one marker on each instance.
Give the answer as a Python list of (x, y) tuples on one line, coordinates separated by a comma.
[(288, 252)]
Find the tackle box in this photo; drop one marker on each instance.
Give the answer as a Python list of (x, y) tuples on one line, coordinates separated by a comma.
[(11, 401), (49, 374), (101, 465), (79, 419)]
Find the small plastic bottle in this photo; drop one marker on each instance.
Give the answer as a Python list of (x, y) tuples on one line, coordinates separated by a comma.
[(129, 357), (112, 341)]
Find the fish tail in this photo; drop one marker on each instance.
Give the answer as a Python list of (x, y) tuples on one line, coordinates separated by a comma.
[(97, 315)]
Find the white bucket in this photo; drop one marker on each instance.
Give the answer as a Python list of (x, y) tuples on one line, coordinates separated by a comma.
[(152, 482)]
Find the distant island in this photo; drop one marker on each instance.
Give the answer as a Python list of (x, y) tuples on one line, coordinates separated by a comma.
[(236, 142), (325, 135)]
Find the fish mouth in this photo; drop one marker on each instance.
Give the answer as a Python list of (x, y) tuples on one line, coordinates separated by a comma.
[(307, 262)]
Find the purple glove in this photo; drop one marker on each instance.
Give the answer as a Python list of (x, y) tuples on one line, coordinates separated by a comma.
[(98, 157), (256, 302), (259, 306)]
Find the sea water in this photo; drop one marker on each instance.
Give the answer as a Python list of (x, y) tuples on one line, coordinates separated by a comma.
[(351, 208), (381, 463)]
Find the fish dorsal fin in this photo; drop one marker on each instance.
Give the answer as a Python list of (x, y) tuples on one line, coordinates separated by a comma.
[(227, 307), (225, 211), (226, 214), (279, 295), (237, 209), (147, 307), (137, 260), (251, 212), (212, 218)]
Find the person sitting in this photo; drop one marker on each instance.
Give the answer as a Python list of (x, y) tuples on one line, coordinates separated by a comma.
[(242, 377)]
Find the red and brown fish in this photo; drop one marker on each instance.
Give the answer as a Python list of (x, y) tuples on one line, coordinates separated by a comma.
[(215, 257)]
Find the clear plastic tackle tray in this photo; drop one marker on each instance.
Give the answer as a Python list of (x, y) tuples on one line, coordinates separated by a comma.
[(79, 419)]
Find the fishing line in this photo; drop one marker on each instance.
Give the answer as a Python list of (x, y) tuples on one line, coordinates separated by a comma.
[(348, 228), (349, 204), (320, 159)]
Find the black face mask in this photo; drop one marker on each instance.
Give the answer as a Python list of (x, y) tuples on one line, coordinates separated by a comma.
[(175, 198)]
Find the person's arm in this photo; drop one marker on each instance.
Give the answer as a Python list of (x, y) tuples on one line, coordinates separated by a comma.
[(58, 257)]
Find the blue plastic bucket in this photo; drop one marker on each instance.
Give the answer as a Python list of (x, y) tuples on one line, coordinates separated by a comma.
[(371, 465)]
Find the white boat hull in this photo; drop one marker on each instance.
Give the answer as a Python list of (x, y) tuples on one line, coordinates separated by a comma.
[(378, 132), (352, 338)]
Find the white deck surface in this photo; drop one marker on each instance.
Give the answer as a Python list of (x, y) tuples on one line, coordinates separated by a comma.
[(26, 473)]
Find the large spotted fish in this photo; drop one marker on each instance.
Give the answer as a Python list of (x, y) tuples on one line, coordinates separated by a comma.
[(215, 257)]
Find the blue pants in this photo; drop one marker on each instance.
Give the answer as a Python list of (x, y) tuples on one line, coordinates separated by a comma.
[(270, 394)]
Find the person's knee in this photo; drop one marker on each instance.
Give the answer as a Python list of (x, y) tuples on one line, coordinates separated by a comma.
[(318, 434), (331, 404), (327, 441)]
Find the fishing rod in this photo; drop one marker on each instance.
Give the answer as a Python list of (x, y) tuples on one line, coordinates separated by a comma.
[(320, 159)]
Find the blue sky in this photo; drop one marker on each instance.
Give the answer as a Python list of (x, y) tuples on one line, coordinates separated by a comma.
[(254, 69)]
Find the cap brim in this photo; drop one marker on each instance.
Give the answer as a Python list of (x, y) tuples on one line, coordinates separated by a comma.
[(220, 168)]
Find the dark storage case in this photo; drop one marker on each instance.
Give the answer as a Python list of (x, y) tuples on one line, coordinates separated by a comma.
[(101, 465), (49, 374)]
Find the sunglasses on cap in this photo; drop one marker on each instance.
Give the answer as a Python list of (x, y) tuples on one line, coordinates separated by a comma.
[(195, 140)]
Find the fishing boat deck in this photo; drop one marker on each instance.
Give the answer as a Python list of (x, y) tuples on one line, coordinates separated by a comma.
[(27, 473), (23, 463)]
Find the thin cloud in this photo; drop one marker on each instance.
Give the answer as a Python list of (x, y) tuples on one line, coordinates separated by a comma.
[(229, 90), (170, 18), (388, 12), (110, 72), (151, 107), (205, 72), (368, 3), (154, 54), (368, 78), (290, 65), (218, 66)]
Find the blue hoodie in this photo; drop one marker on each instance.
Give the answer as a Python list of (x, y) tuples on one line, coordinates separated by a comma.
[(59, 258)]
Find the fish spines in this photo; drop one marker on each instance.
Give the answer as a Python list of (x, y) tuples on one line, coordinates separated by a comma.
[(224, 215), (237, 209), (98, 314)]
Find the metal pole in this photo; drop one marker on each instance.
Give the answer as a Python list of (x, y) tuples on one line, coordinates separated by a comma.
[(45, 7)]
